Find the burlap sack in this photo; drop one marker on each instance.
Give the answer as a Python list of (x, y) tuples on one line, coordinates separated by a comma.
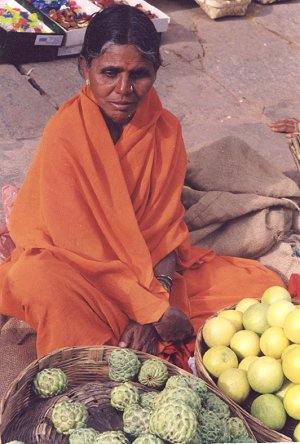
[(222, 8), (17, 345), (236, 202)]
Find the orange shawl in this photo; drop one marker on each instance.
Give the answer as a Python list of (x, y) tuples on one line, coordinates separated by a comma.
[(100, 216)]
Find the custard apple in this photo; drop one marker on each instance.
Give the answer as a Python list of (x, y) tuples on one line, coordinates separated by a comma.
[(50, 382), (192, 382), (197, 438), (183, 394), (123, 395), (147, 399), (15, 442), (237, 428), (148, 439), (136, 420), (111, 438), (174, 421), (246, 440), (68, 416), (123, 365), (84, 435), (212, 428), (153, 373), (217, 405)]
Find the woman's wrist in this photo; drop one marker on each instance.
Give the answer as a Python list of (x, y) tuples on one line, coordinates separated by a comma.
[(166, 281)]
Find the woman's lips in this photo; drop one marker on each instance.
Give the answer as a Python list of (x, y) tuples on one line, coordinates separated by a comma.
[(122, 106)]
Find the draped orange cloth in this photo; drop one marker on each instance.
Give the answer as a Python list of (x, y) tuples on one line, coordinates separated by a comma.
[(91, 221)]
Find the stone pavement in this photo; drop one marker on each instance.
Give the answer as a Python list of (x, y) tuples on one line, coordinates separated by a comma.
[(226, 77)]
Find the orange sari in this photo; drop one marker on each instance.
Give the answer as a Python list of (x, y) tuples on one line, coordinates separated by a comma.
[(91, 221)]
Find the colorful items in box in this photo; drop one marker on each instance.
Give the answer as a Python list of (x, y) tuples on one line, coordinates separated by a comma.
[(107, 3), (16, 19), (67, 13)]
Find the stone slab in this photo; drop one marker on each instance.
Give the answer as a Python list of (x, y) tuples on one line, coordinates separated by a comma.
[(59, 79), (280, 18), (23, 110), (249, 60)]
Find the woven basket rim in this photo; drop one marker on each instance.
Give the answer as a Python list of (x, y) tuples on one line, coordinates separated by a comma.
[(258, 428), (101, 352)]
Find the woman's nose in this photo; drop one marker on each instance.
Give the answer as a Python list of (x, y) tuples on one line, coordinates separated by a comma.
[(123, 85)]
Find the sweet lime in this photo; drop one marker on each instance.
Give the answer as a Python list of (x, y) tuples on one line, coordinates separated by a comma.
[(245, 362), (245, 303), (296, 434), (278, 311), (269, 409), (291, 364), (291, 401), (255, 318), (273, 341), (275, 293), (219, 358), (284, 388), (245, 343), (218, 331), (291, 326), (265, 375), (235, 316), (233, 383)]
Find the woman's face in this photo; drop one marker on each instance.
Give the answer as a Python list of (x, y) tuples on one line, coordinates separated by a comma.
[(119, 79)]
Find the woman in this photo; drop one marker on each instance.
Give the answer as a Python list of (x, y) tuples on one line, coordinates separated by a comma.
[(102, 251)]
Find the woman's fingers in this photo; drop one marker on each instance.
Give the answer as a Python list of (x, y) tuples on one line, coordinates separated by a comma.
[(288, 126), (127, 337)]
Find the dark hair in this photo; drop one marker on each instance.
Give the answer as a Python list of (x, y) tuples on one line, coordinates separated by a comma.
[(121, 25)]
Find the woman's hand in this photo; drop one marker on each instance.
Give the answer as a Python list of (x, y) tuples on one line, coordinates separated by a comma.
[(140, 337), (287, 126), (174, 325)]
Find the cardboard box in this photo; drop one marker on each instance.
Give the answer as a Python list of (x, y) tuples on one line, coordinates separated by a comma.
[(74, 37), (23, 47)]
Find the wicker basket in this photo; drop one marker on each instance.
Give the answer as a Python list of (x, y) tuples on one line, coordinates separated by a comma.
[(261, 432), (26, 417)]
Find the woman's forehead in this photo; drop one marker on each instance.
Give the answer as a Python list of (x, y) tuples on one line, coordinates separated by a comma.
[(121, 56)]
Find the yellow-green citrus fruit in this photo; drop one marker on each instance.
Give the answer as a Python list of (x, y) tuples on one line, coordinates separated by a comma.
[(245, 362), (291, 365), (245, 343), (233, 383), (235, 316), (288, 349), (291, 401), (273, 341), (278, 311), (255, 318), (245, 303), (218, 358), (284, 388), (265, 375), (275, 293), (269, 409), (296, 433), (218, 331), (291, 326)]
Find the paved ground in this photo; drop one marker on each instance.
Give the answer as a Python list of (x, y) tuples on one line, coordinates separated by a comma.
[(230, 76)]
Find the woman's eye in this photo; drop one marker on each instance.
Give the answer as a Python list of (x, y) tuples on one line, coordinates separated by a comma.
[(139, 74), (110, 74)]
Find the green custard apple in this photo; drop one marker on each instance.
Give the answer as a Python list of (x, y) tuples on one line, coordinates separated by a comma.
[(85, 435), (217, 405), (148, 439), (237, 429), (68, 416), (123, 395), (213, 429), (123, 365), (191, 382), (153, 373), (111, 438), (136, 419), (174, 421), (183, 394), (50, 382), (147, 399)]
